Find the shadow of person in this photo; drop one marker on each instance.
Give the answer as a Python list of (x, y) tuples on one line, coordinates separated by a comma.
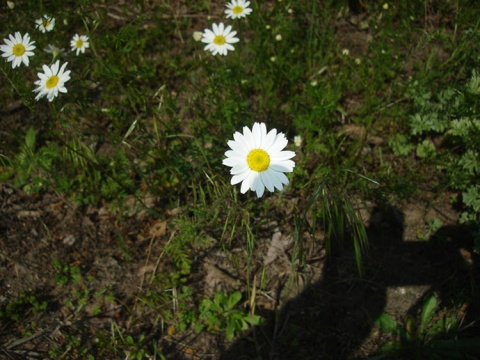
[(333, 318)]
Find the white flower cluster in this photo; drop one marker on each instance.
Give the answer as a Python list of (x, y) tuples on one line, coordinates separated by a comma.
[(219, 40), (256, 157), (18, 49)]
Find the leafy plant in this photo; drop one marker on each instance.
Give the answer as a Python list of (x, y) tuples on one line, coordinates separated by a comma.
[(220, 314), (451, 116), (425, 337), (340, 220), (16, 308), (66, 273)]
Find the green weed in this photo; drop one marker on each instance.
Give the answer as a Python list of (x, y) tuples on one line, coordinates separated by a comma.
[(426, 336)]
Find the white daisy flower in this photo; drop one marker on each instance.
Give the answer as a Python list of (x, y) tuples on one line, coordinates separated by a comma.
[(257, 159), (55, 51), (45, 23), (17, 49), (238, 9), (52, 81), (79, 43), (197, 35), (297, 140), (220, 39)]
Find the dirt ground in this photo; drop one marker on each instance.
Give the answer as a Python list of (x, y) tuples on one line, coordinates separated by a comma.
[(326, 312)]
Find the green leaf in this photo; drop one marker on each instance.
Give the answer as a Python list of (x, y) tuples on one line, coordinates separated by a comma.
[(428, 311), (30, 138), (230, 331), (443, 326), (233, 300), (471, 198), (400, 145), (426, 149), (386, 323)]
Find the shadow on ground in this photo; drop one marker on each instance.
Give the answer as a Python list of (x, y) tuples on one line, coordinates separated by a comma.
[(333, 319)]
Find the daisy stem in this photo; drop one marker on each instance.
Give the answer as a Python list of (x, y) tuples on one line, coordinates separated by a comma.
[(27, 103), (10, 80), (92, 44)]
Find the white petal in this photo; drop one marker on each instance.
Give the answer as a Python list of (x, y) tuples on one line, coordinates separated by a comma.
[(239, 138), (257, 185), (235, 145), (283, 166), (275, 178), (231, 39), (267, 181), (254, 180), (241, 177), (257, 135), (232, 161), (282, 155), (269, 139), (279, 143), (248, 136), (246, 183), (239, 169)]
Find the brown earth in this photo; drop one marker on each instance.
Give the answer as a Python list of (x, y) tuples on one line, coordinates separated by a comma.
[(324, 310)]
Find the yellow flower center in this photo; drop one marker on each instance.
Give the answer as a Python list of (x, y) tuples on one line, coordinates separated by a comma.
[(219, 40), (79, 43), (258, 160), (237, 10), (45, 23), (18, 49), (52, 81)]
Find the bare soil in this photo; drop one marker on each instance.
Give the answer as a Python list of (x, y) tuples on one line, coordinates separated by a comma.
[(326, 310)]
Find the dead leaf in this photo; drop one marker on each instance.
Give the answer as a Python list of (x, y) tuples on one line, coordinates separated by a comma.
[(158, 229), (28, 213), (216, 279), (359, 133), (277, 247), (146, 269)]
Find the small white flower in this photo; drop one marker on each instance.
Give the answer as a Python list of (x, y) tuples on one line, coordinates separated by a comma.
[(313, 83), (358, 61), (273, 58), (17, 49), (45, 23), (278, 37), (79, 43), (257, 159), (297, 140), (238, 9), (220, 40), (385, 6), (55, 51), (197, 35), (11, 5), (52, 81), (345, 52)]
